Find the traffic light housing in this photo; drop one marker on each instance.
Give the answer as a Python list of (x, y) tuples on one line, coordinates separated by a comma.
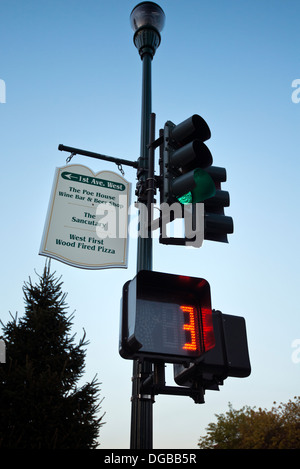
[(166, 317), (188, 177), (184, 157), (216, 225), (229, 357)]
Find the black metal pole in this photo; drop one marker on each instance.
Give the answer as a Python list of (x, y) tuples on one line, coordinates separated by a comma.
[(147, 20), (141, 407)]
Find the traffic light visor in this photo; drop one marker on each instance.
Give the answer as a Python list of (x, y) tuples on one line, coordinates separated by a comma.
[(193, 127)]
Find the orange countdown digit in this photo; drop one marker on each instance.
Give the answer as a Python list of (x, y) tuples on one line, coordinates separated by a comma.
[(191, 327)]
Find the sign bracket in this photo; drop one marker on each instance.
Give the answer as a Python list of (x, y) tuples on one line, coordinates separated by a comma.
[(99, 156)]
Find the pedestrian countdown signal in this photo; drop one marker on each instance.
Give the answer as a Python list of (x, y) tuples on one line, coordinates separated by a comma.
[(166, 317)]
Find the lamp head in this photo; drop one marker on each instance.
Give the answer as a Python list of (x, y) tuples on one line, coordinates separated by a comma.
[(147, 14), (147, 20)]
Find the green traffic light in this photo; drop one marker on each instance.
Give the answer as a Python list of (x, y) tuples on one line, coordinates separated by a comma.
[(204, 188)]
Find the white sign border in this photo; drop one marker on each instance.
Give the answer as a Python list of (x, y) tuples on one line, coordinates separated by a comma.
[(44, 252)]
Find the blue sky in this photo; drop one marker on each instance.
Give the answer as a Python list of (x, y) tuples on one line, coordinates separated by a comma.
[(73, 76)]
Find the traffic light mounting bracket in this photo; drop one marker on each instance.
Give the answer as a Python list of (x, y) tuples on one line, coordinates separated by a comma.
[(155, 384)]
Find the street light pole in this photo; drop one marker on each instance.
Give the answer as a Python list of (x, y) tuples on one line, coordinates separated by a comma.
[(147, 20), (144, 253)]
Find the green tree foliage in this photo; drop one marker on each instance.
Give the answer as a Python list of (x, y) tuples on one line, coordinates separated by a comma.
[(248, 428), (41, 404)]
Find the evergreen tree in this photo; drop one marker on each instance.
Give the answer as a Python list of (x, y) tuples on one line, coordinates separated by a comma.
[(41, 405)]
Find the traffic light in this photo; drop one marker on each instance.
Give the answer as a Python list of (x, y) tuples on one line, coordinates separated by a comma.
[(166, 317), (216, 224), (188, 177), (229, 357), (184, 158)]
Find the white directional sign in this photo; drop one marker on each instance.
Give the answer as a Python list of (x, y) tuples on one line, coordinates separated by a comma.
[(87, 219)]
